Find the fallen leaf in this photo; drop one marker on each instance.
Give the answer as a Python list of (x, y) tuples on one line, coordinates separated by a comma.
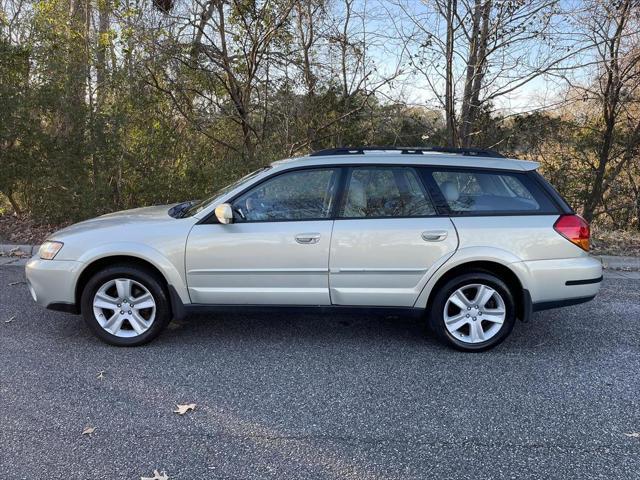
[(182, 409), (100, 374), (157, 476), (633, 434), (16, 283), (11, 319), (88, 430)]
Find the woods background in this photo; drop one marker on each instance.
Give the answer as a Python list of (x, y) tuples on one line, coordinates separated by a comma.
[(113, 104)]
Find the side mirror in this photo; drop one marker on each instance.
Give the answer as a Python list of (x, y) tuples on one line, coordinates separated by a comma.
[(224, 213)]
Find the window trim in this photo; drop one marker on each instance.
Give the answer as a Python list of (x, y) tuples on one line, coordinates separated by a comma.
[(423, 171), (443, 205)]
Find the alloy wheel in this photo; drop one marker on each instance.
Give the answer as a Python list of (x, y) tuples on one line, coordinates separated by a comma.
[(474, 313), (124, 307)]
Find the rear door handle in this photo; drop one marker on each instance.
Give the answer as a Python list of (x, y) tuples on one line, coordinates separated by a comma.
[(434, 235), (307, 238)]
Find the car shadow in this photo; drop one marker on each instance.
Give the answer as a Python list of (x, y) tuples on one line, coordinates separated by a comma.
[(329, 327), (542, 334)]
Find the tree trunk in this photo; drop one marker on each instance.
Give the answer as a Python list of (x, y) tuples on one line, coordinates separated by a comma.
[(102, 88), (594, 197), (474, 102), (472, 60), (449, 107), (104, 10), (306, 34), (77, 72), (14, 204), (206, 14)]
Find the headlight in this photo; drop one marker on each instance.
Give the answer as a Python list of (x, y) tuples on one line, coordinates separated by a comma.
[(48, 250)]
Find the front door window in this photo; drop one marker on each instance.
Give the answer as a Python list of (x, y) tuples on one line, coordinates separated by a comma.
[(298, 195)]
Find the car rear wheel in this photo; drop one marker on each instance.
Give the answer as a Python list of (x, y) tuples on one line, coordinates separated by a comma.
[(125, 305), (474, 311)]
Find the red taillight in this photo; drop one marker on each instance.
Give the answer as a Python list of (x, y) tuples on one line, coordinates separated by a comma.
[(575, 229)]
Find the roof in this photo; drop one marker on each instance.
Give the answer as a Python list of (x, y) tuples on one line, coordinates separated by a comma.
[(425, 158)]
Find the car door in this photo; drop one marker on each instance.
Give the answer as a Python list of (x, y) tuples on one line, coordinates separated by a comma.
[(276, 251), (387, 240)]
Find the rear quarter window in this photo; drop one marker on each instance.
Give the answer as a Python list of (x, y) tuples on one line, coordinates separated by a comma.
[(480, 192)]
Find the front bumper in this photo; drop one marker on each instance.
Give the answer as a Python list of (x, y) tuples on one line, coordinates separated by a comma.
[(52, 283)]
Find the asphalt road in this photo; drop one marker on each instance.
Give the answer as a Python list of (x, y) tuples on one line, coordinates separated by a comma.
[(312, 396)]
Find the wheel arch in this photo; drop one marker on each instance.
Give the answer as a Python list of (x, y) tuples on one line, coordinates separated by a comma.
[(137, 255), (511, 276), (103, 262)]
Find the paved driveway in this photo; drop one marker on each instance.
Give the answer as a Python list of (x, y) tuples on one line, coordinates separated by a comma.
[(310, 396)]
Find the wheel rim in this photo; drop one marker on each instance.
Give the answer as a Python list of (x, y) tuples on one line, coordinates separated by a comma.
[(474, 313), (124, 308)]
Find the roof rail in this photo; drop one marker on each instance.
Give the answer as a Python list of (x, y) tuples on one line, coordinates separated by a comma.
[(469, 152)]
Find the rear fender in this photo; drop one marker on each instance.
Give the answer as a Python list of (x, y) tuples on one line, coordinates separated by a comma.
[(474, 254)]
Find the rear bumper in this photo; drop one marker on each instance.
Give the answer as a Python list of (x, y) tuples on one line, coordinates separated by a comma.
[(562, 282), (527, 307), (536, 307), (52, 283)]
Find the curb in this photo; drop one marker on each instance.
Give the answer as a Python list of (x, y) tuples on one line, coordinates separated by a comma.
[(612, 262), (17, 250), (16, 255)]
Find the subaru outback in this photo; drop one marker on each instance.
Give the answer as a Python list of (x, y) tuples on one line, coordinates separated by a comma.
[(466, 239)]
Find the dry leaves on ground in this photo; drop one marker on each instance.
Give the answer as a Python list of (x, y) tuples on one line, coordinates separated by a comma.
[(157, 476), (10, 319), (615, 242), (633, 434), (182, 409), (88, 430), (22, 230), (100, 375)]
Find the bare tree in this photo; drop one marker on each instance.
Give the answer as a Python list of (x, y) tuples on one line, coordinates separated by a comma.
[(490, 49), (613, 29), (343, 40), (231, 48)]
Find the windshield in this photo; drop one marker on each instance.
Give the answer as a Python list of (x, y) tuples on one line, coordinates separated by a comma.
[(202, 204)]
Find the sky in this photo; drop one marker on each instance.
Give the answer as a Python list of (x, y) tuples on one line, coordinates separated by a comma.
[(383, 22)]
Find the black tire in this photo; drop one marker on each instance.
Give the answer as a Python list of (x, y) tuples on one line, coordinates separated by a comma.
[(149, 280), (435, 314)]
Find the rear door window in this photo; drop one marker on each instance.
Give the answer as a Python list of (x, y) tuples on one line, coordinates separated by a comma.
[(486, 192), (385, 192)]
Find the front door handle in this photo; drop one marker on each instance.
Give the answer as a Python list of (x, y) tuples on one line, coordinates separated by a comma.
[(434, 235), (307, 238)]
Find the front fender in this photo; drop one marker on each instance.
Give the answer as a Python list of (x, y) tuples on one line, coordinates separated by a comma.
[(475, 254), (168, 268)]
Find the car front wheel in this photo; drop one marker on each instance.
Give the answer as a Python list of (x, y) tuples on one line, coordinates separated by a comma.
[(125, 305), (474, 311)]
